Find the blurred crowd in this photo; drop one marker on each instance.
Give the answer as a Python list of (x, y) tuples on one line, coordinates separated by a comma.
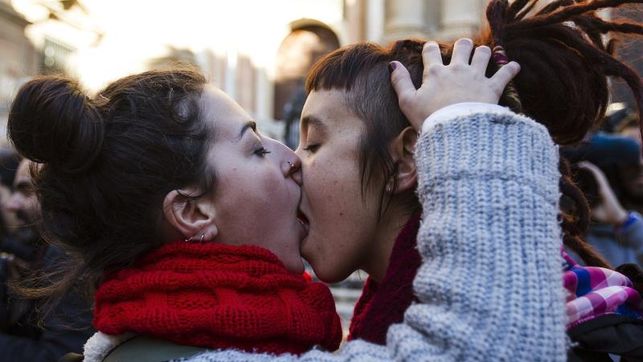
[(27, 331)]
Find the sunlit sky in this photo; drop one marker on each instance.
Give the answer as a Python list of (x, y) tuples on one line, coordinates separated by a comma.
[(136, 30)]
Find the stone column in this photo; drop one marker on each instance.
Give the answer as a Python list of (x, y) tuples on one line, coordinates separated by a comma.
[(459, 18), (404, 19)]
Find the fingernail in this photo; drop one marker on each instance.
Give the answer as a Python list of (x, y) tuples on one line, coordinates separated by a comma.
[(391, 67)]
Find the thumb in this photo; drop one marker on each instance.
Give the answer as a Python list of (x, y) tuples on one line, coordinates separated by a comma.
[(402, 84)]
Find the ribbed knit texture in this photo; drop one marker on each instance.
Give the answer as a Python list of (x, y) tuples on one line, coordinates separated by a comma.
[(218, 296), (383, 304), (490, 286)]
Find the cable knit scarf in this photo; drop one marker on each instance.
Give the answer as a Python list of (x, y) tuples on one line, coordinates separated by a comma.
[(218, 296), (383, 304)]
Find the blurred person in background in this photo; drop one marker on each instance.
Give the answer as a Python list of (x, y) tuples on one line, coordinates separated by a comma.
[(20, 238), (23, 335), (609, 171), (9, 160), (616, 232)]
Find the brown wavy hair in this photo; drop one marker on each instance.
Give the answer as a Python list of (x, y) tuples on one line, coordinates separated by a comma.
[(107, 163)]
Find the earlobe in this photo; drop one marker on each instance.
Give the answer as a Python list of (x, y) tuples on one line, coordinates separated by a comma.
[(403, 153), (194, 219)]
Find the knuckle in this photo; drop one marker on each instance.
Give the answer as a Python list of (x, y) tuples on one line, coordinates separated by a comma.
[(458, 67), (433, 69), (405, 100)]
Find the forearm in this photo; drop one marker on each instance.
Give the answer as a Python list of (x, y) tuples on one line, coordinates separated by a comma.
[(491, 283)]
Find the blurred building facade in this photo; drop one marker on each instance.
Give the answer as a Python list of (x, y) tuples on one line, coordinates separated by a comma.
[(256, 51), (17, 55)]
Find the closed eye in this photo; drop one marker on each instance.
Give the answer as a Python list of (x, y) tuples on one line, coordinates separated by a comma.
[(312, 148), (260, 150)]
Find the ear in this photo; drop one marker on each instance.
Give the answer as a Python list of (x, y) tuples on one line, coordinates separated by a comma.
[(192, 218), (402, 150)]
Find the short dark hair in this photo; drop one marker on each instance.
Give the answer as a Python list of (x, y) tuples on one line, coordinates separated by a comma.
[(361, 71)]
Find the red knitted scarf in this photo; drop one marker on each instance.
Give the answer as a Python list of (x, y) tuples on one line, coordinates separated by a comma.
[(384, 303), (218, 296)]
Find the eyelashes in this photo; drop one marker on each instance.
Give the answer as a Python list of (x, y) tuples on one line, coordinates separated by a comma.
[(311, 148), (261, 151)]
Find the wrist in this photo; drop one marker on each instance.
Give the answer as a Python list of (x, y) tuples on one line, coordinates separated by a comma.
[(621, 216), (457, 110), (630, 219)]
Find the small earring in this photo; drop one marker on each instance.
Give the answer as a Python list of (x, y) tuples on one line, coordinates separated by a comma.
[(202, 236), (187, 240), (390, 185), (292, 165)]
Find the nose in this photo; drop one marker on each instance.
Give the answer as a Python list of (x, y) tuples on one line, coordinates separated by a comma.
[(293, 165), (13, 203), (288, 160)]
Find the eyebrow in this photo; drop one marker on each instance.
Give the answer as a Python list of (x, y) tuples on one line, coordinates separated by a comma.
[(23, 185), (313, 121), (248, 125)]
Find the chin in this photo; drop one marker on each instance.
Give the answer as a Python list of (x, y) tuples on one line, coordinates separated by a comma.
[(329, 275), (296, 267)]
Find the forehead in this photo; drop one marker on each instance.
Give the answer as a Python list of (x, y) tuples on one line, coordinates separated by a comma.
[(23, 173), (221, 112), (331, 108)]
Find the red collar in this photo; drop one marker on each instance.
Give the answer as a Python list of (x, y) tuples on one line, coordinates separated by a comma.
[(218, 296), (384, 303)]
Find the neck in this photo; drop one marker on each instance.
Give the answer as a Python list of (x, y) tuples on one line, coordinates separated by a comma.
[(376, 261)]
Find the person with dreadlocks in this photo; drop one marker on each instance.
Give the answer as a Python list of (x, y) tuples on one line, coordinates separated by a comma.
[(490, 188), (565, 89)]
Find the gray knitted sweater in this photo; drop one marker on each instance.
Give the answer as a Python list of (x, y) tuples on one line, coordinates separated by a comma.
[(490, 284)]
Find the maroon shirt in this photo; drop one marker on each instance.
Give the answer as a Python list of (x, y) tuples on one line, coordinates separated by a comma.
[(384, 303)]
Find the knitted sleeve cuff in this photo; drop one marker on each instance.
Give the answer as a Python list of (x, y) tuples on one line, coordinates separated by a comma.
[(487, 141), (464, 109), (489, 240)]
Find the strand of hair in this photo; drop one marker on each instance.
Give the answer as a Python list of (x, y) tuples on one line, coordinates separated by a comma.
[(570, 11)]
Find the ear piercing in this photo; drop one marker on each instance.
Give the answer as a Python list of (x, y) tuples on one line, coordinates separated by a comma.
[(187, 240)]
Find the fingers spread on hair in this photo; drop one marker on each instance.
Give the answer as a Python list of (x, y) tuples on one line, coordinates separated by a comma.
[(504, 75), (461, 51), (481, 58)]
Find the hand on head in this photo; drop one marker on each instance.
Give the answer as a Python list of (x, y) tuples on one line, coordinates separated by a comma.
[(443, 85)]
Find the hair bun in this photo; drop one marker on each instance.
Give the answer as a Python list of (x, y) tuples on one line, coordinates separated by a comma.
[(52, 121)]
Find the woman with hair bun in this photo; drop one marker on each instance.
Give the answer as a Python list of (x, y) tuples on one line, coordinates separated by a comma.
[(177, 211)]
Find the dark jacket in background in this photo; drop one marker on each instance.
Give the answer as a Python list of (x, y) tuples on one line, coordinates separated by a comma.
[(25, 336)]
